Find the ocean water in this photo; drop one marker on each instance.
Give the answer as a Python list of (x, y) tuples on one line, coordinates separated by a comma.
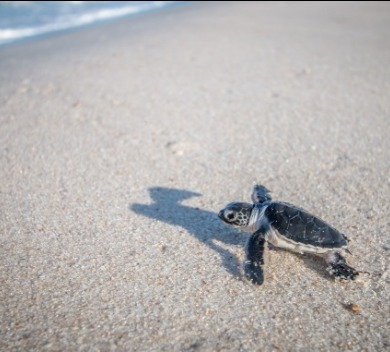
[(24, 19)]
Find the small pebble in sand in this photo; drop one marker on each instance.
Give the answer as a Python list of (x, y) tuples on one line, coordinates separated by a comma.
[(353, 307)]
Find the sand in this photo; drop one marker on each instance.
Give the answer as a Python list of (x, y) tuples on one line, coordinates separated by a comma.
[(121, 142)]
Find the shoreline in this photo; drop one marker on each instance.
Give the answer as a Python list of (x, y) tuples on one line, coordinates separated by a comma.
[(82, 21)]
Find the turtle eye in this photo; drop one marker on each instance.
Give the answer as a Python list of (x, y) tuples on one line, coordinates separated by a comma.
[(230, 215)]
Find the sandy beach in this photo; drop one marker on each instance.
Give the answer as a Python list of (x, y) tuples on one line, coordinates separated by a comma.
[(121, 142)]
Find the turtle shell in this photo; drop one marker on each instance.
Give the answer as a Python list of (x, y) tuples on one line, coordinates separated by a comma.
[(300, 226)]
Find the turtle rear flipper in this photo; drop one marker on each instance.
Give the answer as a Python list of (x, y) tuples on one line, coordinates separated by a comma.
[(339, 268)]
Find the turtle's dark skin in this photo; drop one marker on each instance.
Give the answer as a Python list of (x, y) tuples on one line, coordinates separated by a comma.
[(286, 226)]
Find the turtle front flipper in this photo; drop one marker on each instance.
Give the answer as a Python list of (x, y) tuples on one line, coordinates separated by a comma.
[(260, 194), (339, 268), (253, 265)]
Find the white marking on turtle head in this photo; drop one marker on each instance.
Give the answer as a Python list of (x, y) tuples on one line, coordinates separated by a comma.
[(236, 214)]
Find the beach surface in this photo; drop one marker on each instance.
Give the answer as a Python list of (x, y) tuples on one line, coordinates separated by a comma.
[(121, 142)]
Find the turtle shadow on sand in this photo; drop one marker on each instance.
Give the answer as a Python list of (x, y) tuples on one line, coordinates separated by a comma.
[(202, 224)]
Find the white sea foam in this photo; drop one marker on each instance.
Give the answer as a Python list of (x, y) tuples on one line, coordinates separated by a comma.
[(72, 20)]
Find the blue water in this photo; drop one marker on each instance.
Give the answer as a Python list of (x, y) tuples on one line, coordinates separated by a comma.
[(23, 19)]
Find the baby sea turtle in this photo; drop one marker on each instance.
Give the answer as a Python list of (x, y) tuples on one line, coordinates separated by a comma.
[(285, 226)]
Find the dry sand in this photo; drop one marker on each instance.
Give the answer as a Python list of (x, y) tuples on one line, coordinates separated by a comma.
[(119, 143)]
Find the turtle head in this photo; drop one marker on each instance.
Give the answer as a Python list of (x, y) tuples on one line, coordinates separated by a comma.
[(236, 214)]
